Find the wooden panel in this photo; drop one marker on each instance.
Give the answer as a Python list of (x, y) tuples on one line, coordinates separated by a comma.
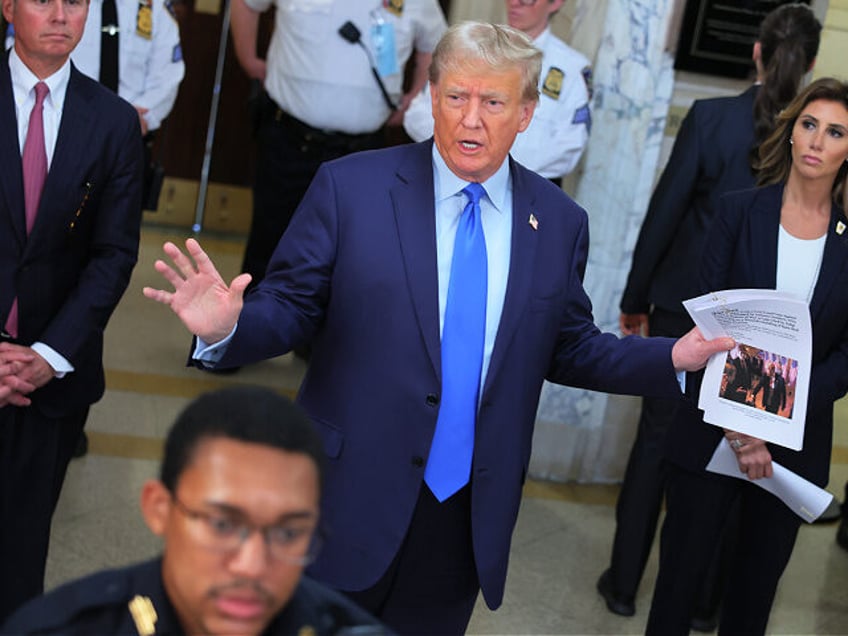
[(228, 208), (177, 202)]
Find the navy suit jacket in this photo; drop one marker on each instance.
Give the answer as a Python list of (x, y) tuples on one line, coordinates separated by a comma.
[(709, 159), (71, 271), (356, 274), (743, 254)]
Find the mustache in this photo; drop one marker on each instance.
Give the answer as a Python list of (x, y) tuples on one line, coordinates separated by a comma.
[(242, 585)]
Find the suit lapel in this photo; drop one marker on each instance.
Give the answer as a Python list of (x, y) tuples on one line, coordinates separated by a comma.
[(763, 245), (834, 261), (11, 177), (75, 132), (414, 208), (522, 256)]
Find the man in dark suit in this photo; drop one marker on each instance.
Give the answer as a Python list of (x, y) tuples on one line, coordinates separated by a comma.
[(69, 222), (739, 382), (773, 386), (236, 505), (366, 272)]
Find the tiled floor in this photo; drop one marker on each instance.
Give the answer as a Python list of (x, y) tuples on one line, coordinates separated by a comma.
[(560, 546)]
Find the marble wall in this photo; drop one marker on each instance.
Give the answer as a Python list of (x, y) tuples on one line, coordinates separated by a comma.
[(583, 435)]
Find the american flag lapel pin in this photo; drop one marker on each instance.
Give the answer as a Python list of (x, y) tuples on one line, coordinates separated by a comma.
[(840, 227), (533, 221)]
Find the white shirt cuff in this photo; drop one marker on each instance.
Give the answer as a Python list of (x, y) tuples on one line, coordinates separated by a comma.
[(60, 365)]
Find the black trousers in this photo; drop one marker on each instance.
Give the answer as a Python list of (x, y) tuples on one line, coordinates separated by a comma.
[(288, 155), (698, 504), (431, 586), (34, 455), (638, 508)]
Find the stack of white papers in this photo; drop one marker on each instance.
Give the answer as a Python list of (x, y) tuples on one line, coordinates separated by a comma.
[(805, 499), (760, 387), (773, 337)]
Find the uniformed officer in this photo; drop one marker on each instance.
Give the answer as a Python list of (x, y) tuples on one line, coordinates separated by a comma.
[(150, 59), (554, 141), (237, 507), (321, 99)]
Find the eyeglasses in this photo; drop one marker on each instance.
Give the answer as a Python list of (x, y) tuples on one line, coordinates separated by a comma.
[(296, 542)]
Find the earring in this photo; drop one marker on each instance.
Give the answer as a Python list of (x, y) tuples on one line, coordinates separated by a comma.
[(791, 141)]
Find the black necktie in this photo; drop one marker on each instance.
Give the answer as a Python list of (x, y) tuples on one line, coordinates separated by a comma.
[(109, 45)]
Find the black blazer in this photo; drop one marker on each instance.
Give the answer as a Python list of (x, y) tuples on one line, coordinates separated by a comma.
[(71, 271), (742, 253), (709, 158)]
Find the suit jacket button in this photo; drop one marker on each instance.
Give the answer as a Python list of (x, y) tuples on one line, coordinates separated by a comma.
[(417, 461), (432, 399)]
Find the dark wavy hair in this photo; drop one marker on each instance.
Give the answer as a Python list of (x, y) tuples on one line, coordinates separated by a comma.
[(789, 40), (775, 160)]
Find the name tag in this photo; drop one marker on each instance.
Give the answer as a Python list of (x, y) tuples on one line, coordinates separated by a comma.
[(383, 45)]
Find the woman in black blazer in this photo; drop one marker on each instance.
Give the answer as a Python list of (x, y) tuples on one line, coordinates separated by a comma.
[(712, 155), (791, 234)]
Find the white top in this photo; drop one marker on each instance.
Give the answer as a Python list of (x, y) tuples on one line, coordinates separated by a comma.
[(325, 81), (555, 138), (798, 264), (149, 69)]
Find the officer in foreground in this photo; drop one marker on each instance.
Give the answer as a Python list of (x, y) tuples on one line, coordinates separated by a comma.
[(237, 506)]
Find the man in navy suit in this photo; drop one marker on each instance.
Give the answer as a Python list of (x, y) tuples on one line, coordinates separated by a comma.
[(363, 274), (66, 253)]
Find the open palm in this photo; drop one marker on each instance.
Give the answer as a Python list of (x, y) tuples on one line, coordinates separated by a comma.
[(207, 306)]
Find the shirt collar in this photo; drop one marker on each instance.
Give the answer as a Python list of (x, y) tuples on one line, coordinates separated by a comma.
[(540, 40), (24, 80), (448, 184)]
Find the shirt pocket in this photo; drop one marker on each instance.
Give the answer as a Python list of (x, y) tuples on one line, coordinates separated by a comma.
[(307, 19)]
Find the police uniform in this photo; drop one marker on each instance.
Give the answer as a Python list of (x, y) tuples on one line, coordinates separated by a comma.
[(557, 134), (150, 60), (321, 99), (133, 601)]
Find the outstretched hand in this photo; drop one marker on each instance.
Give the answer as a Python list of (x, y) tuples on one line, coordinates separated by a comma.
[(207, 306), (691, 352)]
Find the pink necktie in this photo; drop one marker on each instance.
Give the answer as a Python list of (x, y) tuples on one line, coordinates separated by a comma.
[(34, 161)]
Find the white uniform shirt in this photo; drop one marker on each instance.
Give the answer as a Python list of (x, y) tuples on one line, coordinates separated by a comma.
[(325, 81), (149, 70), (557, 134)]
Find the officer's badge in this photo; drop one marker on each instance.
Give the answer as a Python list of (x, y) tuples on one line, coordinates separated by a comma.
[(587, 78), (394, 6), (144, 19), (552, 85), (143, 614)]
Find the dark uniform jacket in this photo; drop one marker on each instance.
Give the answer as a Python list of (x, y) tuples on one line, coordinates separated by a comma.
[(709, 158), (100, 605)]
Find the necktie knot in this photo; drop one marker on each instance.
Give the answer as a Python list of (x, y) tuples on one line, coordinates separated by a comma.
[(41, 90), (474, 192)]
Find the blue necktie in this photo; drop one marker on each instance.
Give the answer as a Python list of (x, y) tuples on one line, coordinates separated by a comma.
[(463, 333)]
